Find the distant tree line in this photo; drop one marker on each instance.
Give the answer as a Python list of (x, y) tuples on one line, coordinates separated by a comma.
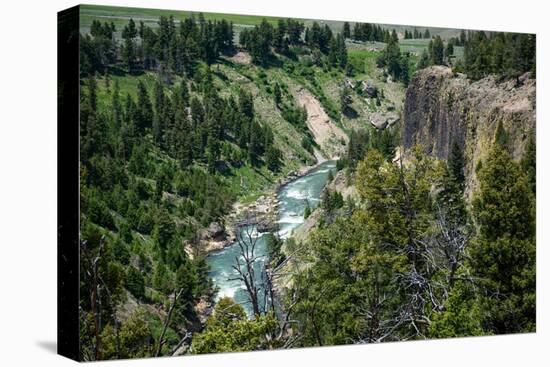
[(416, 34), (507, 55), (264, 38), (168, 48), (177, 49), (367, 32), (260, 40)]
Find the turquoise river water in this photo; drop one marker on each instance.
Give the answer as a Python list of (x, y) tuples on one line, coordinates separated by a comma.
[(293, 198)]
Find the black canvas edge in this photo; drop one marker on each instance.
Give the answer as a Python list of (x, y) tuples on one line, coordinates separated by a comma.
[(68, 157)]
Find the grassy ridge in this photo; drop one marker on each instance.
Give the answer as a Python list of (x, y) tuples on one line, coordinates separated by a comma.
[(121, 15)]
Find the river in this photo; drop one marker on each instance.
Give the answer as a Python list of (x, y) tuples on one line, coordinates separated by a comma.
[(293, 198)]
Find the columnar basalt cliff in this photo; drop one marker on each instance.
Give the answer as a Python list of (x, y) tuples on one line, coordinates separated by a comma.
[(442, 107)]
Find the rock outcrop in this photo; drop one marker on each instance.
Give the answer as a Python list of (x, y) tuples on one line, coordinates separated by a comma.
[(441, 108)]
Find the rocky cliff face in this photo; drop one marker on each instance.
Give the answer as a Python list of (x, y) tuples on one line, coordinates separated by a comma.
[(441, 108)]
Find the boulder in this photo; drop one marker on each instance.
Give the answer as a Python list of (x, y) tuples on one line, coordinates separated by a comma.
[(216, 231), (266, 226), (379, 121), (369, 89)]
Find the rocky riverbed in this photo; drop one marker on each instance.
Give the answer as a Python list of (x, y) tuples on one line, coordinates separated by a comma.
[(263, 211)]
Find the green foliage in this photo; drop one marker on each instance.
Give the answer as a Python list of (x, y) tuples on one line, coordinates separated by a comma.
[(229, 330), (449, 51), (450, 199), (129, 33), (424, 60), (503, 255), (461, 316), (135, 282), (274, 245), (502, 137), (135, 337), (98, 49), (503, 206), (260, 39), (385, 141), (346, 31), (169, 48), (505, 54), (120, 247), (296, 115), (436, 51), (277, 94), (456, 162), (396, 62), (163, 279), (335, 287), (331, 200), (529, 163), (365, 270), (186, 283), (164, 230), (307, 211), (273, 158), (397, 197), (345, 99), (368, 32)]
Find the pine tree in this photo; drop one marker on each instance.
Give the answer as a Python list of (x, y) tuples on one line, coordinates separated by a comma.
[(529, 163), (342, 53), (437, 51), (116, 106), (277, 94), (345, 99), (451, 196), (502, 138), (462, 38), (424, 61), (144, 111), (273, 158), (333, 52), (503, 254), (449, 51), (162, 117), (246, 103), (307, 211), (357, 32), (455, 163), (346, 32), (129, 33), (255, 145), (279, 34)]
